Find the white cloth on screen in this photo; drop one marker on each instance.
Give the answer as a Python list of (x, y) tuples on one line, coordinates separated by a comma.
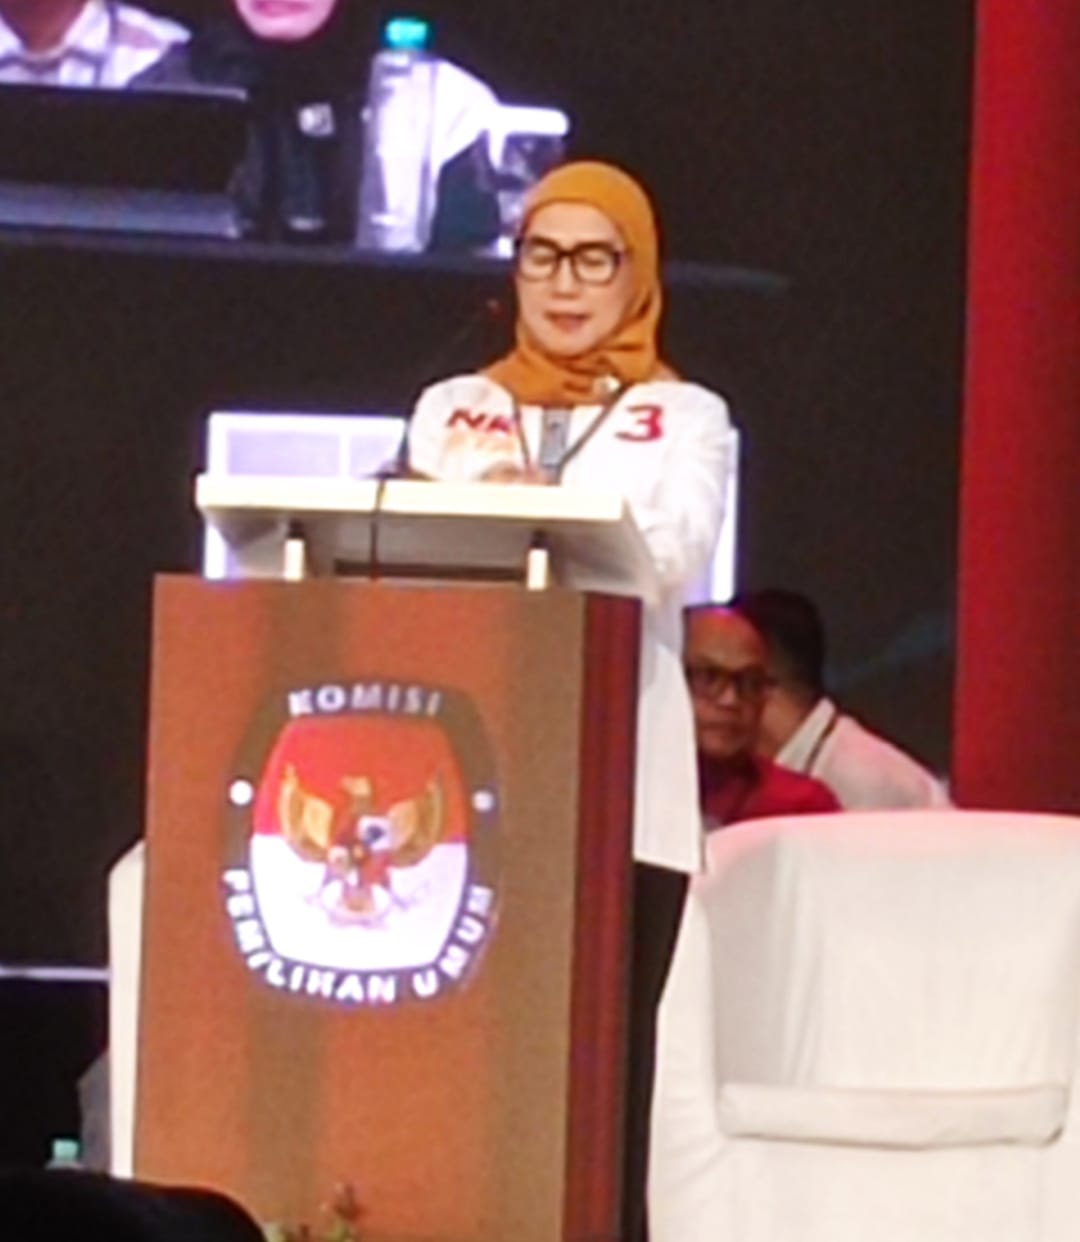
[(449, 110), (863, 770), (667, 447), (106, 45), (465, 110), (870, 1031)]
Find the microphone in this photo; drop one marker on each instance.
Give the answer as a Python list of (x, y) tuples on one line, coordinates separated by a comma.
[(490, 311)]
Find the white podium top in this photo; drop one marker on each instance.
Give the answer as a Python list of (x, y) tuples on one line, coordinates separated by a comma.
[(429, 529)]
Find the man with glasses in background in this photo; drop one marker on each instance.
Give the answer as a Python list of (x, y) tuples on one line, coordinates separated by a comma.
[(726, 669), (804, 730)]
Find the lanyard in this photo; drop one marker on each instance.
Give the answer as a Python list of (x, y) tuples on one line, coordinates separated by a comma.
[(571, 450)]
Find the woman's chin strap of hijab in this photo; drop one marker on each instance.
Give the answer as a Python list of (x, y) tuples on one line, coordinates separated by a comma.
[(629, 355)]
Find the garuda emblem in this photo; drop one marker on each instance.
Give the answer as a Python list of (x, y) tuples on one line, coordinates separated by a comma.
[(360, 845)]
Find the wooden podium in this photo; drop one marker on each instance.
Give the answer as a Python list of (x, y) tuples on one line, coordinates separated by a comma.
[(388, 867)]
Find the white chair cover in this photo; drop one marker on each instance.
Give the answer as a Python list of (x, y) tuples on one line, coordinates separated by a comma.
[(870, 1034)]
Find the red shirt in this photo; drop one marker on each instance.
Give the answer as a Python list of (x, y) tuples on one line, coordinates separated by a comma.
[(751, 787)]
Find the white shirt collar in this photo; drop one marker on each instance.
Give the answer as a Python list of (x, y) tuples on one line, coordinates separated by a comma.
[(800, 750)]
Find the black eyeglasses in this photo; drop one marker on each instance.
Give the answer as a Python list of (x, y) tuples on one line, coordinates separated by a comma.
[(710, 681), (593, 263)]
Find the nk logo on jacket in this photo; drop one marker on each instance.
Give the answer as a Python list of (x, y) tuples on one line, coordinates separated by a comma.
[(639, 424)]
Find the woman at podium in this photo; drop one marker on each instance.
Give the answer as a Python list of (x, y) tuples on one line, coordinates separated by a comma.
[(585, 400)]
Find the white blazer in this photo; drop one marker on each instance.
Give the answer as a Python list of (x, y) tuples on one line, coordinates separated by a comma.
[(668, 447)]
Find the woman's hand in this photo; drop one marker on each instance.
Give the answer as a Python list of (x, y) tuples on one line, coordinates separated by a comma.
[(508, 472)]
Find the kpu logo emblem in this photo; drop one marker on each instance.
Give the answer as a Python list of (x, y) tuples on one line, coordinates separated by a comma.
[(362, 843)]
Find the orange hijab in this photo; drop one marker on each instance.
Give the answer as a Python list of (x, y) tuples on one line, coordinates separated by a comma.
[(629, 355)]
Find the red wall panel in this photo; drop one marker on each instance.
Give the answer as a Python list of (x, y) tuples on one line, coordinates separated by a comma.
[(1017, 737)]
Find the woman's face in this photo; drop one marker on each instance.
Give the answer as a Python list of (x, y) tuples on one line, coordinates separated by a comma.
[(285, 21), (573, 277)]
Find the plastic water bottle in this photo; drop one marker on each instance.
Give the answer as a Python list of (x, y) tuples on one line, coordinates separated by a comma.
[(397, 183), (64, 1154)]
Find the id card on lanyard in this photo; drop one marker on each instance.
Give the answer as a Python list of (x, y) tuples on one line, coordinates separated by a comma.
[(554, 439), (555, 451)]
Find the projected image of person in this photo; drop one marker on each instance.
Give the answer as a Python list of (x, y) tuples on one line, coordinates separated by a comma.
[(302, 66), (584, 400), (285, 23), (81, 43), (306, 67)]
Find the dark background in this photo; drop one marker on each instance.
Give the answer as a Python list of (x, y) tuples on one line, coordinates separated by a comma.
[(826, 142)]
